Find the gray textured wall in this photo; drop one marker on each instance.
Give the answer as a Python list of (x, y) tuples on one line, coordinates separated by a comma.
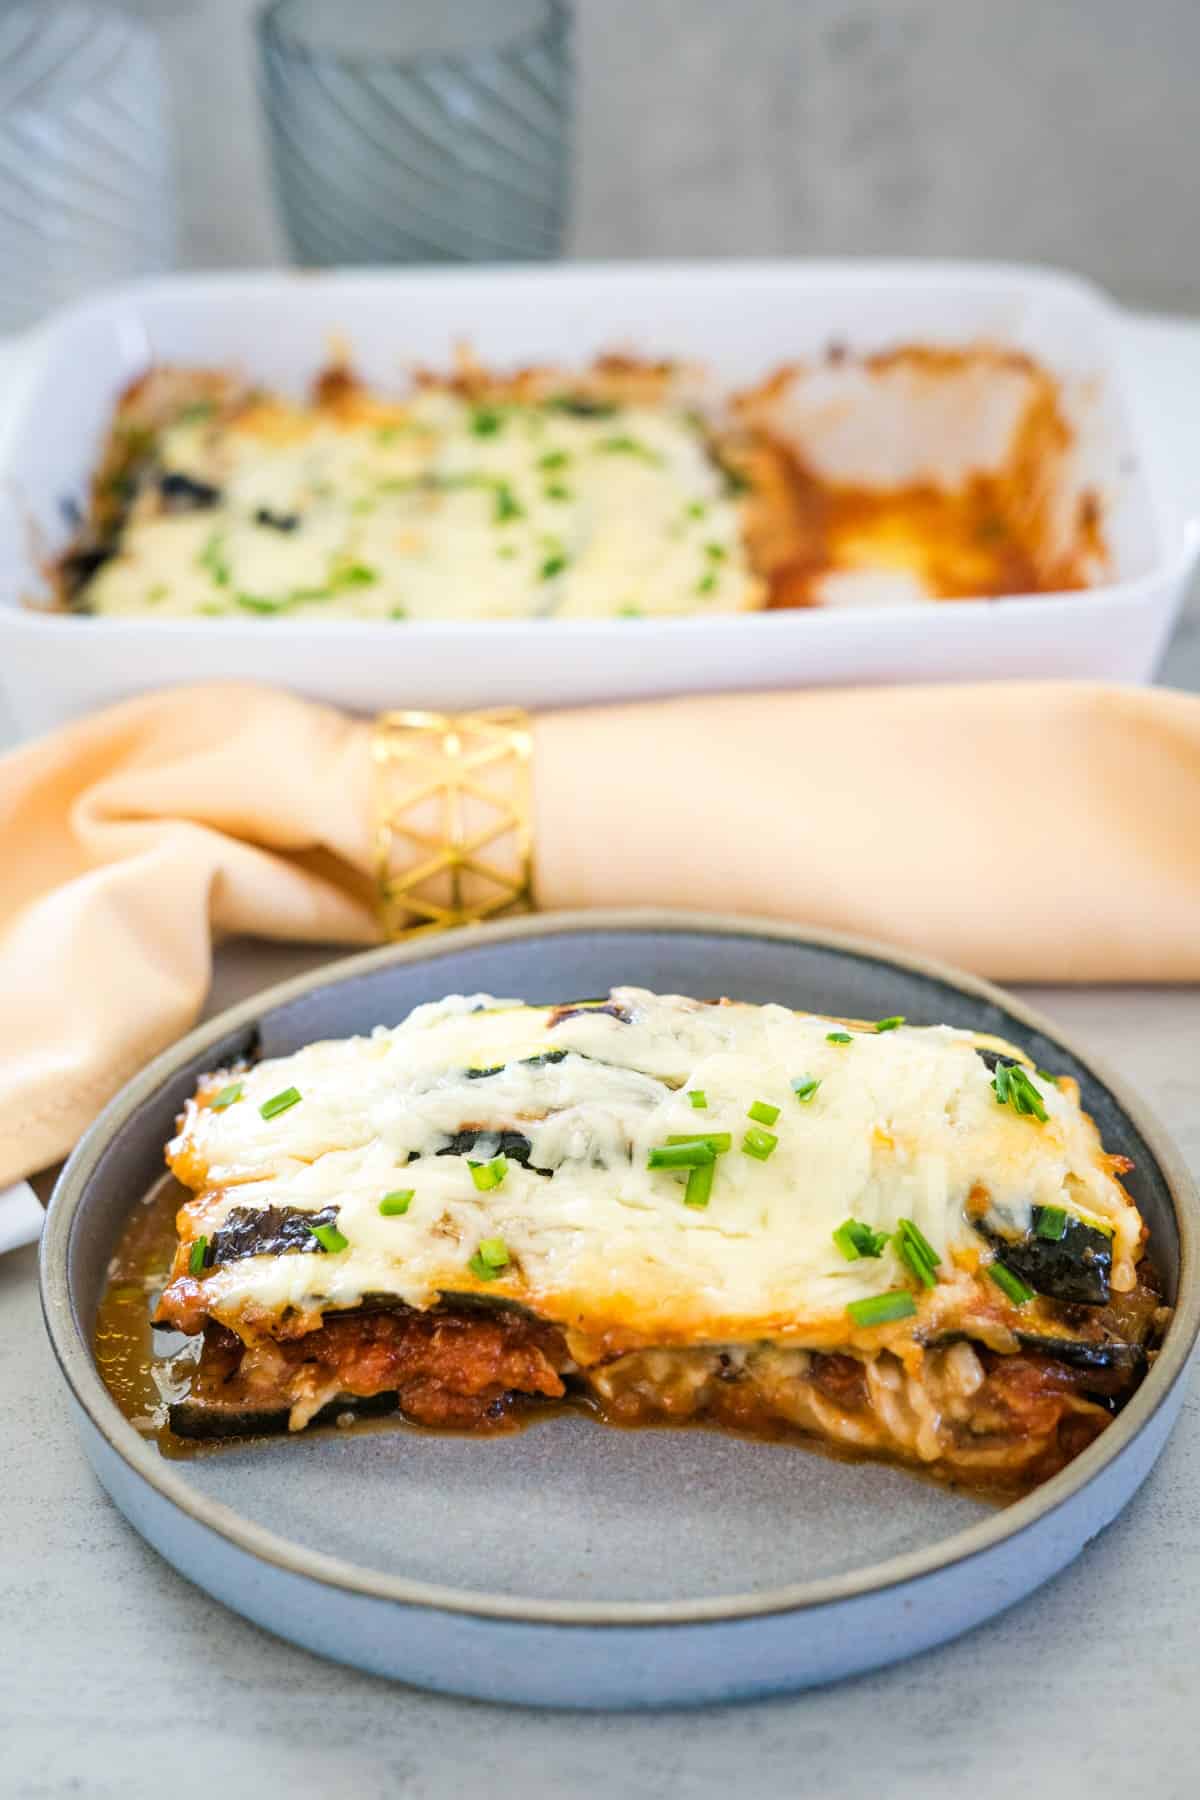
[(1060, 130)]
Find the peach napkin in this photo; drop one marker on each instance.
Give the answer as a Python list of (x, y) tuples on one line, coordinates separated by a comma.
[(1032, 832)]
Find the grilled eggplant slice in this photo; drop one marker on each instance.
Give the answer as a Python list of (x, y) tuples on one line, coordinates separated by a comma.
[(1075, 1268), (269, 1232), (211, 1420)]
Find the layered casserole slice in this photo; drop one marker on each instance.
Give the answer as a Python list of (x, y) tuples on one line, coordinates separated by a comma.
[(477, 497), (901, 1241)]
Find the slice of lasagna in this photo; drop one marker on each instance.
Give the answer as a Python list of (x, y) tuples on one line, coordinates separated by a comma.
[(594, 495), (903, 1241)]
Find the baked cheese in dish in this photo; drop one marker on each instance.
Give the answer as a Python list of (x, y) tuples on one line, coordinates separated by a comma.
[(905, 1240), (626, 488), (492, 504)]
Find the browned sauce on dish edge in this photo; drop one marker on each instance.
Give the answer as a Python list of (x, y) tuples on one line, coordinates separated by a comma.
[(145, 1370)]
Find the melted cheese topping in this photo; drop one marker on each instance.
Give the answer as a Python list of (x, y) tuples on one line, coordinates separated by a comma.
[(447, 510), (904, 1124)]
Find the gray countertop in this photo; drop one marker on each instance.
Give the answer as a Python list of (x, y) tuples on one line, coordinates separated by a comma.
[(117, 1678)]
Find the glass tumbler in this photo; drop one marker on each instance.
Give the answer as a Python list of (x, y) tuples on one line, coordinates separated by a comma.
[(86, 180), (419, 130)]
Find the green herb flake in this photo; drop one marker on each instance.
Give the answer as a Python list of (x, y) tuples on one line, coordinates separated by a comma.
[(486, 421), (698, 1098), (197, 412), (1013, 1087), (395, 1204), (624, 445), (506, 551), (280, 1103), (759, 1144), (718, 1141), (261, 603), (557, 490), (197, 1255), (805, 1087), (697, 510), (838, 1037), (553, 565), (1051, 1224), (507, 506), (330, 1239), (698, 1191), (883, 1309), (489, 1259), (707, 583), (763, 1111), (352, 575), (854, 1240), (489, 1174), (157, 593), (914, 1249), (226, 1097), (688, 1153), (397, 612), (892, 1024), (715, 552), (1009, 1284), (212, 558), (553, 459)]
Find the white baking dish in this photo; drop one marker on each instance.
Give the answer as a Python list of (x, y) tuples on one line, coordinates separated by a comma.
[(741, 319)]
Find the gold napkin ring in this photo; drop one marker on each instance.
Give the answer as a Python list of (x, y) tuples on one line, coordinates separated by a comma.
[(452, 818)]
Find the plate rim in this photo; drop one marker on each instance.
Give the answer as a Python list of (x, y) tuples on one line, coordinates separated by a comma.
[(73, 1353)]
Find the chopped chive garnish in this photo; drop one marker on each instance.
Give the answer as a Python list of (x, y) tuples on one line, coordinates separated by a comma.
[(1013, 1087), (261, 603), (715, 552), (1047, 1076), (489, 1259), (881, 1309), (889, 1024), (838, 1037), (330, 1238), (696, 509), (763, 1111), (197, 1255), (226, 1097), (507, 504), (355, 574), (759, 1143), (553, 565), (699, 1185), (624, 445), (279, 1103), (717, 1141), (489, 1174), (854, 1239), (698, 1098), (1051, 1223), (706, 583), (1010, 1284), (689, 1153), (553, 459), (916, 1250), (486, 421), (397, 1202), (629, 612), (805, 1086), (557, 490), (212, 558)]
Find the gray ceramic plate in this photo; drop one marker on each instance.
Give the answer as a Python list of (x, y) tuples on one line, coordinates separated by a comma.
[(570, 1564)]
